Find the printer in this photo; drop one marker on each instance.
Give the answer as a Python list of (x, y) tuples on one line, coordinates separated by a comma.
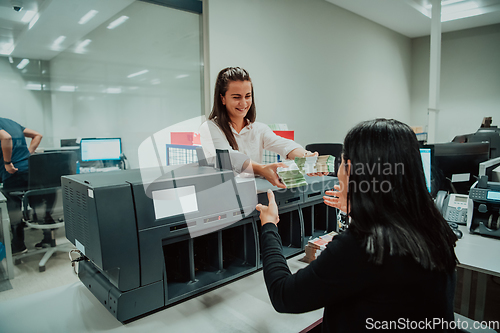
[(121, 224)]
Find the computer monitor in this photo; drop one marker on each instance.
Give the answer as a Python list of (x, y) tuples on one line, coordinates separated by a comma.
[(456, 165), (491, 135), (102, 149), (427, 153)]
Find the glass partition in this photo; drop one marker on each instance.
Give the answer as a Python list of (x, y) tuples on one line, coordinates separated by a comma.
[(116, 68)]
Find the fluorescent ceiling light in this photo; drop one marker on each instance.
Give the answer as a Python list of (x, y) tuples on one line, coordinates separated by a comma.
[(7, 49), (67, 88), (23, 63), (155, 81), (33, 21), (181, 76), (112, 90), (117, 22), (87, 17), (34, 86), (81, 47), (28, 16), (57, 43), (138, 73), (59, 40)]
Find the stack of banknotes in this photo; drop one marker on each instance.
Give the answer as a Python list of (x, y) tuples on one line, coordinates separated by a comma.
[(293, 175)]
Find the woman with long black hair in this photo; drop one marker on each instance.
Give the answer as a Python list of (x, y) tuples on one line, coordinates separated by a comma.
[(394, 266)]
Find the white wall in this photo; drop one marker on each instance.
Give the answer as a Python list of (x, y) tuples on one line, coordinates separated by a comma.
[(315, 66), (18, 101), (470, 81)]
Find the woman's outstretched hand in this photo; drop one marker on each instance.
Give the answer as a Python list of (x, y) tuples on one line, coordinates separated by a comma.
[(336, 199), (269, 214), (268, 171)]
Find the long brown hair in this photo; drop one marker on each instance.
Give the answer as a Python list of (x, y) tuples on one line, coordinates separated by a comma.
[(219, 112)]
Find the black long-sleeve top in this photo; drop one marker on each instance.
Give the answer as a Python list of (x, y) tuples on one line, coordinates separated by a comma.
[(357, 294)]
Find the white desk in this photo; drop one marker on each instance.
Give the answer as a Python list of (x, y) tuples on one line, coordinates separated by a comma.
[(240, 306), (480, 254), (5, 221)]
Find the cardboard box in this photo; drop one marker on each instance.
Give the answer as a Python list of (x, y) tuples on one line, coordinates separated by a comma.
[(285, 134)]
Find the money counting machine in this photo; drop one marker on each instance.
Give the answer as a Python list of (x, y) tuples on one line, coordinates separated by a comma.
[(122, 225), (484, 203)]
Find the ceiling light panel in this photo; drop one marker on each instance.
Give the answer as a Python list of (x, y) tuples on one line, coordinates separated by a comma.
[(81, 47), (6, 49), (87, 17), (56, 45), (118, 22), (23, 64), (138, 73)]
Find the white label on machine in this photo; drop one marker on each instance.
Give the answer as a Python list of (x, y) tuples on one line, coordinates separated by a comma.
[(80, 246), (460, 177), (174, 201), (91, 193)]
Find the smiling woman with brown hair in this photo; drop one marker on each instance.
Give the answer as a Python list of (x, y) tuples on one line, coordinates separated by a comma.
[(394, 267), (232, 126)]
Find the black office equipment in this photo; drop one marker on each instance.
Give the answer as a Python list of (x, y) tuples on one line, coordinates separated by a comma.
[(485, 210), (69, 143), (490, 135), (457, 164), (484, 134), (143, 254)]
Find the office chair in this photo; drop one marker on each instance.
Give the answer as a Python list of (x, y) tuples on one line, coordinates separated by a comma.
[(44, 187), (334, 149)]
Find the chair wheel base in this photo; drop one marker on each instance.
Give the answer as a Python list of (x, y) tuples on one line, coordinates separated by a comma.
[(41, 269)]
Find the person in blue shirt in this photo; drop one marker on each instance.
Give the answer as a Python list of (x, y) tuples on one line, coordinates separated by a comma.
[(14, 153)]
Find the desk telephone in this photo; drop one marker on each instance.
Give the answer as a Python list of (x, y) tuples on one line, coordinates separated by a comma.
[(453, 206)]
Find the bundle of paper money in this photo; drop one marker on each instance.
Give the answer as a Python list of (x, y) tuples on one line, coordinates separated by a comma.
[(313, 164), (293, 175)]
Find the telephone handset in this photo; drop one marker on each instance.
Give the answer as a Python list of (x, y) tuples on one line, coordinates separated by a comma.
[(452, 206)]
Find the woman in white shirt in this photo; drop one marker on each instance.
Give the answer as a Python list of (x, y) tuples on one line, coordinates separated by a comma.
[(232, 126)]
